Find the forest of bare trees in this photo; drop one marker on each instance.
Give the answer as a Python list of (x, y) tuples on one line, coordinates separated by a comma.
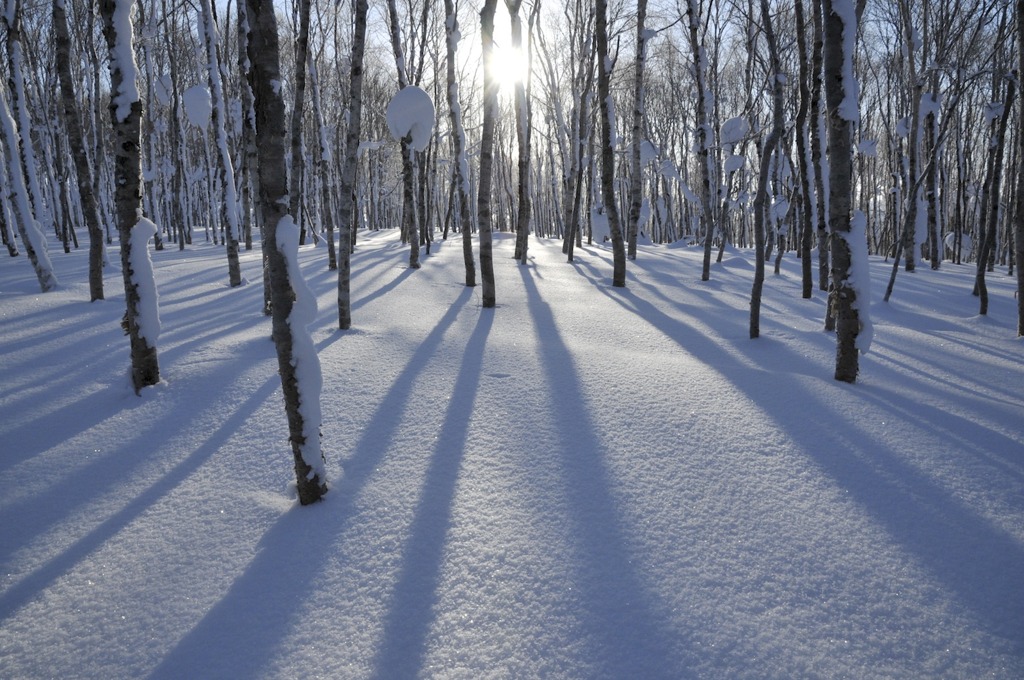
[(706, 122)]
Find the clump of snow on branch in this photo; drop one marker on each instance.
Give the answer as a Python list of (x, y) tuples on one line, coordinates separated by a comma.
[(734, 130), (123, 56), (308, 376), (198, 105), (849, 109), (142, 277), (411, 113), (648, 152), (859, 277)]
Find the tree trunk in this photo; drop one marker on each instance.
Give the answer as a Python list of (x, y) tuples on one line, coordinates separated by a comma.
[(990, 220), (705, 137), (770, 144), (126, 115), (76, 140), (298, 364), (635, 178), (838, 93), (1018, 234), (607, 149), (460, 168), (523, 134), (487, 154), (806, 164), (295, 189), (349, 163), (226, 172)]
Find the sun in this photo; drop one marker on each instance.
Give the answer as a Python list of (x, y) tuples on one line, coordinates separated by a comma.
[(509, 66)]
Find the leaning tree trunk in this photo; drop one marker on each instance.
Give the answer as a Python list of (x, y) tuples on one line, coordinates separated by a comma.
[(607, 150), (292, 301), (134, 231), (346, 211), (32, 237), (840, 30), (990, 221), (487, 153), (461, 165), (76, 140)]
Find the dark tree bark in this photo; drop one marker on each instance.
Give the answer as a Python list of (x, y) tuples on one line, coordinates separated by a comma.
[(840, 157), (1018, 234), (76, 141), (487, 154), (770, 145), (460, 180), (273, 191), (635, 178), (611, 209), (346, 211)]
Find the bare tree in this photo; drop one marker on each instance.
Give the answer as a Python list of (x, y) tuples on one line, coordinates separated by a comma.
[(346, 212), (840, 30), (487, 153), (775, 77), (1018, 236), (461, 170), (140, 320), (636, 139), (296, 356), (611, 209)]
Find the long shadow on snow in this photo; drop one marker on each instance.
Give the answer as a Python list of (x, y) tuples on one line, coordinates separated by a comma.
[(627, 635), (982, 568), (33, 584), (240, 634), (403, 646)]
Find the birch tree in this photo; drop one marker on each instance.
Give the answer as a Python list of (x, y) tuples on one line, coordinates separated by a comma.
[(1018, 234), (487, 153), (461, 171), (636, 139), (848, 245), (410, 221), (141, 320), (705, 134), (771, 144), (293, 304), (76, 142), (611, 210), (346, 211), (226, 170)]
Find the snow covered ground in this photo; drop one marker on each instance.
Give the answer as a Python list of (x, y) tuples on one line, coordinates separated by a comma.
[(585, 482)]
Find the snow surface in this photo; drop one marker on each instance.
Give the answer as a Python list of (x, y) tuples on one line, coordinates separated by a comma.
[(586, 482), (411, 112)]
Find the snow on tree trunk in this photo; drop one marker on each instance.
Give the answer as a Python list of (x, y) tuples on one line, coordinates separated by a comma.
[(841, 95), (227, 171), (76, 142), (346, 211), (133, 230), (490, 105), (461, 165), (20, 106), (32, 237), (293, 304)]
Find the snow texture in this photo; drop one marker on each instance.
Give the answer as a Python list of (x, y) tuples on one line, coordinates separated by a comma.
[(304, 355), (648, 152), (587, 482), (198, 105), (144, 280), (411, 112)]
